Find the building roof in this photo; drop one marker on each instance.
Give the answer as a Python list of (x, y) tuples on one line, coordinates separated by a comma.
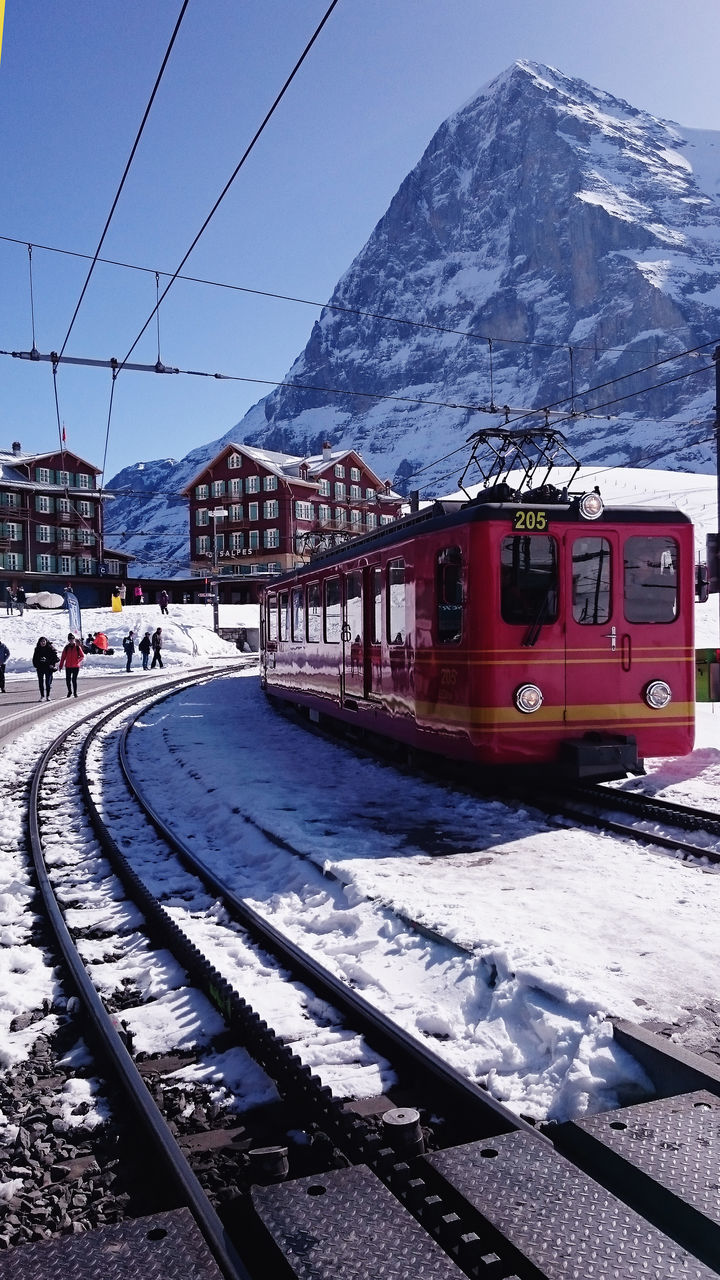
[(9, 459), (287, 466)]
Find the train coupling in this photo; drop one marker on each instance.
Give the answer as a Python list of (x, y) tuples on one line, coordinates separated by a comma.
[(601, 757)]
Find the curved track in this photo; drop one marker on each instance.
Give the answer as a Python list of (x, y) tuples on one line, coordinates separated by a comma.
[(454, 1159)]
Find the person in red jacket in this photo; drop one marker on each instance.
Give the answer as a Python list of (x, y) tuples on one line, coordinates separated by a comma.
[(71, 657)]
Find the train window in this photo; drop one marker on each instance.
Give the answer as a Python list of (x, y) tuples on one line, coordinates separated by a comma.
[(377, 606), (272, 618), (314, 613), (591, 580), (529, 580), (298, 613), (396, 601), (651, 579), (449, 587), (284, 612), (333, 610), (354, 606)]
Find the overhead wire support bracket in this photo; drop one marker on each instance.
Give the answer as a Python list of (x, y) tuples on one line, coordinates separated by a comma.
[(54, 359)]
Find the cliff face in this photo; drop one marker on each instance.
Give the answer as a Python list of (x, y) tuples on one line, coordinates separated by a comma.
[(551, 241)]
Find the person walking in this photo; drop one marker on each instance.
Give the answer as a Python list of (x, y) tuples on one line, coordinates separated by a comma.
[(45, 661), (138, 593), (156, 643), (20, 600), (70, 658), (4, 655), (9, 601), (129, 647), (164, 600), (123, 592), (144, 647)]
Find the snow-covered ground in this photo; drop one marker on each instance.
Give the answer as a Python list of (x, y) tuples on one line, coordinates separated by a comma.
[(547, 929), (534, 932)]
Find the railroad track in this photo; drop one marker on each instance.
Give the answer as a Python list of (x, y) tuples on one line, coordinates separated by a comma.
[(599, 806), (363, 1136), (441, 1179)]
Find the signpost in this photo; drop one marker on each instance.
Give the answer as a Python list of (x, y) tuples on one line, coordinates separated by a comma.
[(215, 515)]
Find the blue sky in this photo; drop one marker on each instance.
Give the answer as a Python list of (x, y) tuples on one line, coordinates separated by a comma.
[(74, 83)]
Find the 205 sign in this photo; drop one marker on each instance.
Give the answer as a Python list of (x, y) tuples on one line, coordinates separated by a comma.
[(530, 521)]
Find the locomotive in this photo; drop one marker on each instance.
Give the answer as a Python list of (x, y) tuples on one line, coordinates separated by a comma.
[(522, 626)]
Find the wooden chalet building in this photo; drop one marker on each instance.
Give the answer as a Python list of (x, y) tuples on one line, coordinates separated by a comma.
[(51, 524), (256, 513)]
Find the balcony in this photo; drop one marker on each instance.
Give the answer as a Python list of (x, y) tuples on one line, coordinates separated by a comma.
[(72, 518)]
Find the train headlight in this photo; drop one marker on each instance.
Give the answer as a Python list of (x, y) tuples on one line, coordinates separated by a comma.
[(658, 694), (591, 506), (528, 698)]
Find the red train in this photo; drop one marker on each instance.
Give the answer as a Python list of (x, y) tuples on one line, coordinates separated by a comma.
[(519, 628)]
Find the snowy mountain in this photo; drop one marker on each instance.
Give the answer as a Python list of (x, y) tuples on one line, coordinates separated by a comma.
[(552, 242)]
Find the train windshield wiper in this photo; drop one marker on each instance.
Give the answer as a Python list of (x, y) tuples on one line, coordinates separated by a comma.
[(533, 632)]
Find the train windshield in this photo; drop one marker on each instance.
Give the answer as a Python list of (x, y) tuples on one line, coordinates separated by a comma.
[(529, 580), (651, 579)]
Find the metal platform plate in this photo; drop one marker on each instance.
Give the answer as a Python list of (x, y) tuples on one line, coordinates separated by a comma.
[(347, 1224), (166, 1246), (555, 1216), (668, 1153), (675, 1140)]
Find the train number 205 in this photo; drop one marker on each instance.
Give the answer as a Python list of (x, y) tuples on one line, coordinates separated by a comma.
[(530, 521)]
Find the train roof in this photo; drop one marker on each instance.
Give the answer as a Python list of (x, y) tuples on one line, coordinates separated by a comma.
[(448, 513)]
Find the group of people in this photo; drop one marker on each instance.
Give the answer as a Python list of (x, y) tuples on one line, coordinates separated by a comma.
[(45, 658), (15, 598), (46, 662), (151, 642), (118, 597)]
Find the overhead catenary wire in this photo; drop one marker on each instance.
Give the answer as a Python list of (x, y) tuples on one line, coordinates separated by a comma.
[(55, 363), (595, 349), (574, 416), (126, 170), (621, 377), (522, 413), (211, 214), (258, 132)]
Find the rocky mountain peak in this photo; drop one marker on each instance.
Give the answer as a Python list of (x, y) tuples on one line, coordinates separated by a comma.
[(551, 242)]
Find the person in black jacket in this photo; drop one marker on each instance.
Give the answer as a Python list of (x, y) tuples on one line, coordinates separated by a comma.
[(45, 661), (129, 647), (156, 643), (144, 647), (4, 655)]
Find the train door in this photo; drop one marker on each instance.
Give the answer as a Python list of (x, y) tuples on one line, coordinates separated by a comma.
[(624, 630), (595, 641)]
